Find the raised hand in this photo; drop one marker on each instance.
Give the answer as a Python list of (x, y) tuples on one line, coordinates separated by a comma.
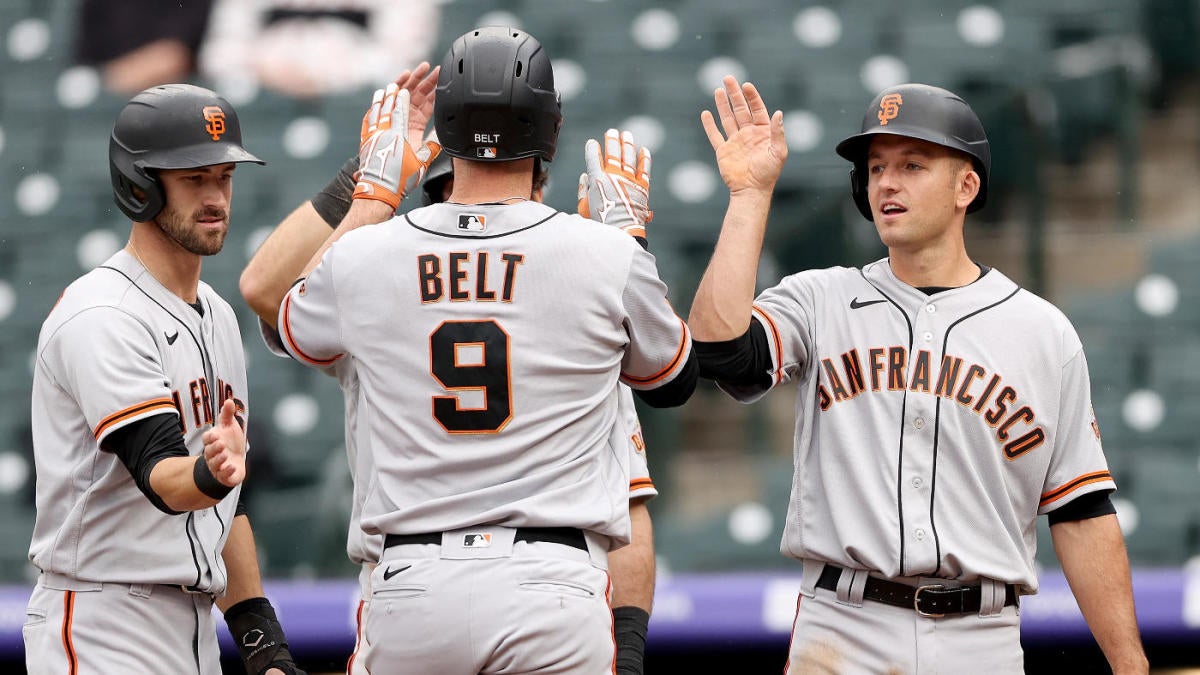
[(615, 188), (750, 145), (389, 164), (225, 447), (421, 83)]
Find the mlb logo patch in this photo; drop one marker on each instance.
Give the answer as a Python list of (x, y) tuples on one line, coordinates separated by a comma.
[(485, 153), (477, 540), (471, 222)]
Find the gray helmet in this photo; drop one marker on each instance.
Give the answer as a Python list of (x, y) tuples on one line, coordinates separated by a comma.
[(496, 99), (172, 126), (926, 113)]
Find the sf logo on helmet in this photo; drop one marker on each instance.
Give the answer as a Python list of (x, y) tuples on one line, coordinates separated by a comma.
[(889, 108), (216, 121)]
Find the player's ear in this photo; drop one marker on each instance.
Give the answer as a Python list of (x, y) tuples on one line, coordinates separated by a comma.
[(967, 186)]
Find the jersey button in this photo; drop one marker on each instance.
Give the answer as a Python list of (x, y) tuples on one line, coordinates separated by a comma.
[(928, 336), (919, 423), (917, 482), (919, 534), (930, 308)]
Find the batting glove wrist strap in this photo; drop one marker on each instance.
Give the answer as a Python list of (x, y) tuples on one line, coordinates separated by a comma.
[(206, 482), (388, 166), (333, 201), (259, 637), (629, 629), (615, 189)]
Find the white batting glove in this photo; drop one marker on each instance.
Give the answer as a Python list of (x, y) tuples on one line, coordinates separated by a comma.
[(388, 166), (615, 189)]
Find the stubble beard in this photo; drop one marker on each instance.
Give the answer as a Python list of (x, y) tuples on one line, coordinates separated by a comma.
[(184, 231)]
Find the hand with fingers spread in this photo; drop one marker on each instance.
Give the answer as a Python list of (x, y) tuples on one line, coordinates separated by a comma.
[(225, 447), (751, 150), (391, 162), (615, 189)]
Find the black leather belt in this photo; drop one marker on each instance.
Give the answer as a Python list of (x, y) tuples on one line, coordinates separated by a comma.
[(930, 600), (567, 536)]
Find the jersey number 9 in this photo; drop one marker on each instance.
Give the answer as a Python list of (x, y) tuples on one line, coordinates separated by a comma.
[(471, 356)]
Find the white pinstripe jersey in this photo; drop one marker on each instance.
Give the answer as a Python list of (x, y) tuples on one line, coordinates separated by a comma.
[(488, 342), (931, 430), (117, 348)]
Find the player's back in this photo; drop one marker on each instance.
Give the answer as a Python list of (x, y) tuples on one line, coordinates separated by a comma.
[(489, 340)]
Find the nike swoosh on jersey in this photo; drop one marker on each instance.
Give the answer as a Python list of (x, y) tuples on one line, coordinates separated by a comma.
[(389, 572), (855, 304), (171, 338)]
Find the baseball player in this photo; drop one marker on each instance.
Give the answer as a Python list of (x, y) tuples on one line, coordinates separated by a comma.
[(488, 334), (941, 407), (139, 411), (281, 258)]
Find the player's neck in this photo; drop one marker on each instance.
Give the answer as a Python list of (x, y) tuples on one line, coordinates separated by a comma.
[(938, 267), (487, 183), (177, 269)]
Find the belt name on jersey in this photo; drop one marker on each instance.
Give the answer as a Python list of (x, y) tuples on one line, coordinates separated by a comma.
[(971, 386), (201, 408), (452, 278)]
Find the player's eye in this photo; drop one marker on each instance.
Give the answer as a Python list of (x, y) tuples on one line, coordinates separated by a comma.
[(913, 166), (875, 169)]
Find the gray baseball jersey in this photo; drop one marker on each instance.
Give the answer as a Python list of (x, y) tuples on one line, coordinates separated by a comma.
[(520, 319), (931, 430), (119, 347)]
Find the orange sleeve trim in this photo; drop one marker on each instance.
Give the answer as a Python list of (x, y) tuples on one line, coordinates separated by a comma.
[(68, 643), (670, 367), (755, 309), (640, 484), (133, 411), (1073, 485), (287, 335), (358, 637)]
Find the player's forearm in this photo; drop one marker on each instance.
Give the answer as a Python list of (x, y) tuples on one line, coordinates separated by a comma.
[(1093, 558), (172, 480), (362, 212), (241, 562), (721, 308), (280, 260), (632, 567)]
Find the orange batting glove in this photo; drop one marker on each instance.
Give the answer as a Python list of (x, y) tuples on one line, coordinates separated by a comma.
[(615, 189), (388, 166)]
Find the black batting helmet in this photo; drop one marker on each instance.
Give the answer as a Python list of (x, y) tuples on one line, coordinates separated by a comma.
[(926, 113), (172, 126), (496, 99)]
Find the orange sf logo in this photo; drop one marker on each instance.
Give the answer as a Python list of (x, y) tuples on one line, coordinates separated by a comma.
[(889, 107), (216, 121)]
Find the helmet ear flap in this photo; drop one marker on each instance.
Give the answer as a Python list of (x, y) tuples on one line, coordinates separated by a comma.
[(127, 187), (858, 189)]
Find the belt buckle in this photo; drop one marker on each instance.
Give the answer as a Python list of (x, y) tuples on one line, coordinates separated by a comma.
[(917, 600), (192, 590)]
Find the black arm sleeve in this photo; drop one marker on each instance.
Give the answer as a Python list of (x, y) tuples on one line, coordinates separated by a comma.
[(143, 444), (745, 360), (1091, 505), (240, 509), (333, 201), (677, 391)]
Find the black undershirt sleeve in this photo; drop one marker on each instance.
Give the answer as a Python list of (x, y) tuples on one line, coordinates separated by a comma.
[(677, 391), (240, 509), (1091, 505), (143, 444), (744, 360)]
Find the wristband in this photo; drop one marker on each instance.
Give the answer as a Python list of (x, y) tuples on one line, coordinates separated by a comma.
[(259, 637), (629, 629), (206, 482), (333, 201)]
